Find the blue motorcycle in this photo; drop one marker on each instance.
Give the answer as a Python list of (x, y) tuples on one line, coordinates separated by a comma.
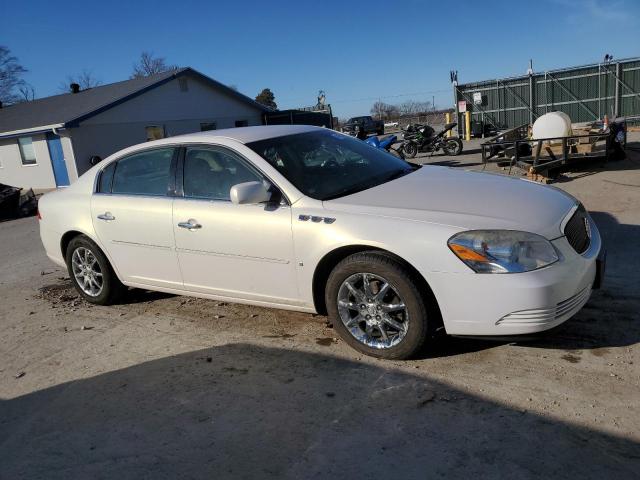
[(386, 144)]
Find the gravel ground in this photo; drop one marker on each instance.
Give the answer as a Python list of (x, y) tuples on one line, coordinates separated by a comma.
[(174, 387)]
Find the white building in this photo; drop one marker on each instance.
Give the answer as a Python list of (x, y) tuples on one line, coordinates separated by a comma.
[(49, 142)]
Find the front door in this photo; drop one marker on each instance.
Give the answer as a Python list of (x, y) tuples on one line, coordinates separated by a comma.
[(57, 160), (230, 250), (132, 216)]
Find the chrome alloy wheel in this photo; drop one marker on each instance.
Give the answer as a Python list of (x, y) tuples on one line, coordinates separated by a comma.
[(372, 310), (86, 271)]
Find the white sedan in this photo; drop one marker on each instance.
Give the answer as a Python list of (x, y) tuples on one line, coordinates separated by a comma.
[(308, 219)]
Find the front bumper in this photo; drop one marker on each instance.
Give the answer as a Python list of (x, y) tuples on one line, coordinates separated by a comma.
[(520, 303)]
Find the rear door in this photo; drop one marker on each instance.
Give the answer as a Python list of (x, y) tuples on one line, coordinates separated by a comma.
[(132, 216)]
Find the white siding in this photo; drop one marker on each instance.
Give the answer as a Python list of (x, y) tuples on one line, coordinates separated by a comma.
[(179, 112), (38, 176)]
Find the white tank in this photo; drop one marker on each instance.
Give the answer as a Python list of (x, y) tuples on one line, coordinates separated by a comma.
[(552, 124)]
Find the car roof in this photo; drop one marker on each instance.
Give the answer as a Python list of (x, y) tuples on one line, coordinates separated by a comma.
[(243, 134)]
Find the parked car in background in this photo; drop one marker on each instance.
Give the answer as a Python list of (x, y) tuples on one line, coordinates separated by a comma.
[(308, 219), (365, 124)]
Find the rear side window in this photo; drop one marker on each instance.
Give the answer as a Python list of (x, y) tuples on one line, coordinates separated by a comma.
[(106, 177), (145, 173)]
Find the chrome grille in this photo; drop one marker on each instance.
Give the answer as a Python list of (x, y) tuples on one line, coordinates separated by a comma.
[(545, 316), (578, 231)]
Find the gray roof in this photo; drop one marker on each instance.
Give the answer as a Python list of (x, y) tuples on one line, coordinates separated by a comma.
[(71, 108)]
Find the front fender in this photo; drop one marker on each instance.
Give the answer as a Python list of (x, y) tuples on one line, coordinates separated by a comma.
[(422, 245)]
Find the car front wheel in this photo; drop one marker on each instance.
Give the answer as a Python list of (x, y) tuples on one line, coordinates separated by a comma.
[(375, 305), (91, 273)]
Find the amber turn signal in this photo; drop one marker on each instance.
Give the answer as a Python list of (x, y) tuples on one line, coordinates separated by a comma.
[(465, 253)]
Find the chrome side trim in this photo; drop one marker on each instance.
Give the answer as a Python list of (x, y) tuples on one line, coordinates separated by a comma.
[(231, 255), (144, 245)]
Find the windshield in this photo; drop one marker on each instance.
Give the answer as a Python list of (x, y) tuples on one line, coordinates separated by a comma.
[(325, 164)]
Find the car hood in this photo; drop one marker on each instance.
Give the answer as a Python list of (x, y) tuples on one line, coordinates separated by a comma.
[(464, 199)]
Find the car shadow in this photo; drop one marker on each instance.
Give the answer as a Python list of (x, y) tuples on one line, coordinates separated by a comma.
[(245, 411), (138, 295)]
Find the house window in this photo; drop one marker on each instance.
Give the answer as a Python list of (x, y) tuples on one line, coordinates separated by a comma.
[(27, 153), (206, 126), (184, 86), (242, 123), (154, 132)]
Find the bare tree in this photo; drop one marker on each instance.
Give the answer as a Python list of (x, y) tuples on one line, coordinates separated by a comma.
[(85, 79), (150, 65), (384, 111), (10, 76), (27, 93), (413, 107)]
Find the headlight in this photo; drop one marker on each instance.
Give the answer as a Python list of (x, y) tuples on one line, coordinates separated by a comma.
[(502, 251)]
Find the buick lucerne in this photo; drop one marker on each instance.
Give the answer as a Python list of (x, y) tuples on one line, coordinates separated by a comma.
[(308, 219)]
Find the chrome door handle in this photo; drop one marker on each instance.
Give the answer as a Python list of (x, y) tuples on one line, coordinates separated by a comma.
[(190, 224), (106, 216)]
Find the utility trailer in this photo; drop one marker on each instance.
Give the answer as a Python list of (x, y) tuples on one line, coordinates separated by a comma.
[(543, 158)]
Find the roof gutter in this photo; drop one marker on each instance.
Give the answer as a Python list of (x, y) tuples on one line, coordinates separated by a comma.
[(32, 130)]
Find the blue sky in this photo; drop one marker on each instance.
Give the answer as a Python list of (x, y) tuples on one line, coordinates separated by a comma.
[(356, 51)]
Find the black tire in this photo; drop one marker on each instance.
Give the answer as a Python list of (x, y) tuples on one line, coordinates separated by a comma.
[(410, 149), (112, 289), (452, 146), (402, 281)]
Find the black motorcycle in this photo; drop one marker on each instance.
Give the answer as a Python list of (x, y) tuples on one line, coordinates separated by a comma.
[(423, 138)]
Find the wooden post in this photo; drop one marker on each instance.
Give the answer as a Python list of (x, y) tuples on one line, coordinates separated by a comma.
[(467, 125), (447, 119)]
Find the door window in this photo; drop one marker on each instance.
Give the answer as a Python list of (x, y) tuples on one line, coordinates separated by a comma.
[(145, 173), (209, 173), (106, 177)]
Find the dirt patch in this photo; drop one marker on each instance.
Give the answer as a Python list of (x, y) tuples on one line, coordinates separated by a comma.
[(571, 358)]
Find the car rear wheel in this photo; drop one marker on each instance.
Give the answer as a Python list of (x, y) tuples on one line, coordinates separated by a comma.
[(91, 273), (376, 307)]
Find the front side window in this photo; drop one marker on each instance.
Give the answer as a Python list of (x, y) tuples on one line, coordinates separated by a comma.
[(27, 153), (145, 173), (209, 173), (325, 164)]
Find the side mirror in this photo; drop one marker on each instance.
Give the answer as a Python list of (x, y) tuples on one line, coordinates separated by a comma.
[(249, 192), (94, 160)]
